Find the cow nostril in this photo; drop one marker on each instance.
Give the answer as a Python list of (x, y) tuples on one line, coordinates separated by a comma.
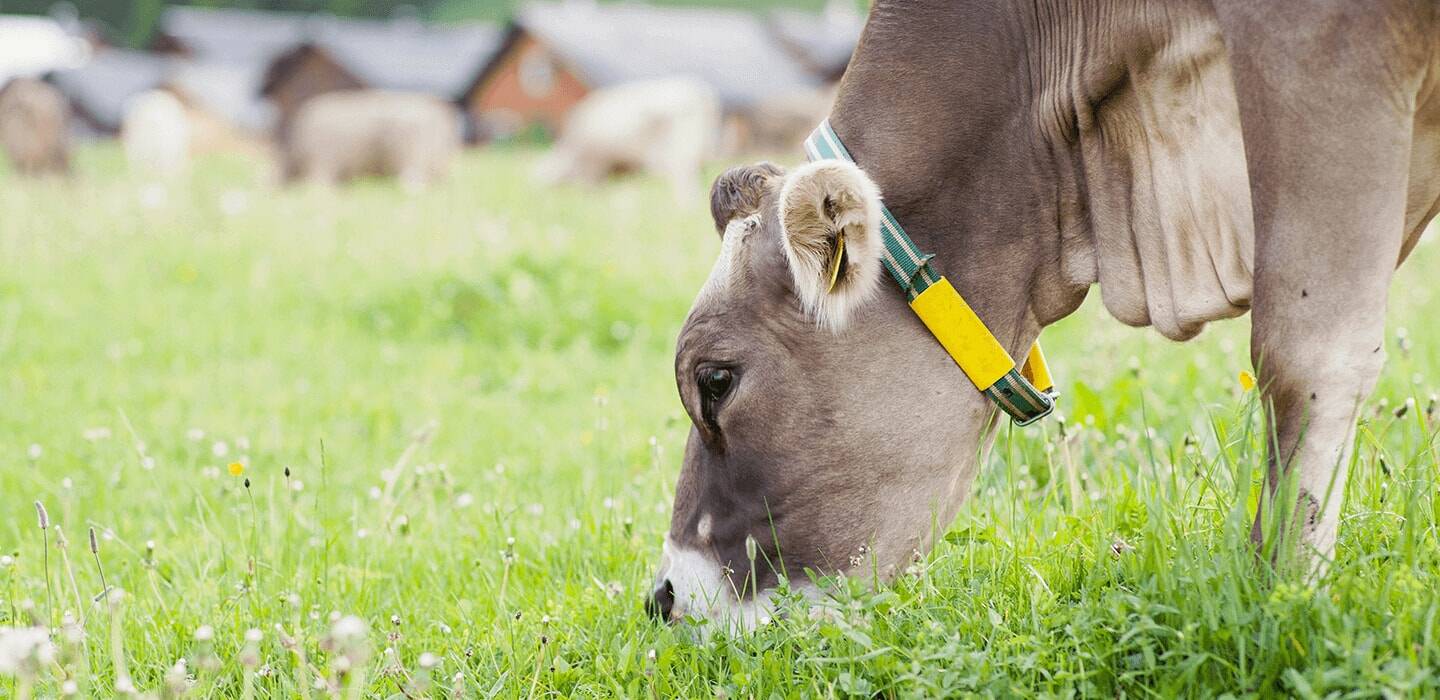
[(662, 601)]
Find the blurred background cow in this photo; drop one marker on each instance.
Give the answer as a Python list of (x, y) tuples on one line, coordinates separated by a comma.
[(33, 127), (616, 87)]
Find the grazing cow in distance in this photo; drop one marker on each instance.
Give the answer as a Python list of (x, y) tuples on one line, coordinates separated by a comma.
[(156, 132), (779, 123), (665, 127), (339, 136), (35, 127), (1195, 159)]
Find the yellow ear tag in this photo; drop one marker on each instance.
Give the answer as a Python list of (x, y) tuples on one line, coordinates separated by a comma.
[(835, 262)]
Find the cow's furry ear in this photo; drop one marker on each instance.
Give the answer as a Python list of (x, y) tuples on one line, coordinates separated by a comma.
[(738, 192), (830, 215)]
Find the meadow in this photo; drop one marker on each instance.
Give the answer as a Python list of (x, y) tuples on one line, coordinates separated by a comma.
[(364, 443)]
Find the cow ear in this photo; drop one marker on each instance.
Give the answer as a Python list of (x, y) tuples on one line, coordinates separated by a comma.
[(738, 192), (830, 215)]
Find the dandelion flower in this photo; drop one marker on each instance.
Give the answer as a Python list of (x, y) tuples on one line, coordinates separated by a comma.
[(236, 469), (1247, 380)]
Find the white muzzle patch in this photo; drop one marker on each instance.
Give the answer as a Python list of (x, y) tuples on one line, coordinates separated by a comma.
[(703, 592)]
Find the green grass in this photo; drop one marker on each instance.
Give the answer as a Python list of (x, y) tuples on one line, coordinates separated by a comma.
[(472, 391)]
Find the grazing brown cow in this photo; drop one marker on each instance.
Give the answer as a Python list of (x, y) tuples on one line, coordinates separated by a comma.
[(1194, 159), (342, 135), (35, 127)]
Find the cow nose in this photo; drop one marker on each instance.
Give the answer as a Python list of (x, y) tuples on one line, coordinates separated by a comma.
[(661, 601)]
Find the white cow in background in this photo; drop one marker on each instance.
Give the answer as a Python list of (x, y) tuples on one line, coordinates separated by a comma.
[(156, 134), (667, 127), (339, 136)]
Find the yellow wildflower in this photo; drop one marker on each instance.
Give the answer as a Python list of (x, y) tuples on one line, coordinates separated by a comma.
[(1247, 381), (236, 469)]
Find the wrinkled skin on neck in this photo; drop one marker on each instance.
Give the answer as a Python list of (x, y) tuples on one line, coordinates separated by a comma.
[(1001, 139)]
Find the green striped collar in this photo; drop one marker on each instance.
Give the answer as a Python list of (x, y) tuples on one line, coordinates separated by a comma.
[(946, 314)]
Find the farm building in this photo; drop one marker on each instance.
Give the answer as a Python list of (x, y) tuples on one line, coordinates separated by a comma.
[(555, 53), (221, 99), (99, 89), (401, 54), (283, 59), (220, 57), (228, 36)]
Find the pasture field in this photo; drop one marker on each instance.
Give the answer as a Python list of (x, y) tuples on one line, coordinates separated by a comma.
[(426, 446)]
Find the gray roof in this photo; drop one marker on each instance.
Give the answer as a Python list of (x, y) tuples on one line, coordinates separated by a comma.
[(608, 44), (98, 90), (823, 42), (230, 91), (242, 36), (398, 54), (407, 55)]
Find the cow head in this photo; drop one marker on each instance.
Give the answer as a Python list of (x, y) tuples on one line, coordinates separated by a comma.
[(830, 432)]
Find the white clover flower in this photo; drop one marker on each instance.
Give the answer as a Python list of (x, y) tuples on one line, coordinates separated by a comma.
[(253, 635), (349, 629), (152, 196), (96, 434), (35, 451), (234, 202), (220, 448), (204, 633), (464, 500), (24, 650), (429, 661)]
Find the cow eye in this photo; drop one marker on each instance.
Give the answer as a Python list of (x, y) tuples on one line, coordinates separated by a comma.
[(715, 383)]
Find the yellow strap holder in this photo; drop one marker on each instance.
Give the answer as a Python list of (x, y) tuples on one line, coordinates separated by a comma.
[(970, 343), (962, 334), (1037, 371)]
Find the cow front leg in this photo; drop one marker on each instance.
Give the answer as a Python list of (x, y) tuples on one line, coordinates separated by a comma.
[(1326, 110)]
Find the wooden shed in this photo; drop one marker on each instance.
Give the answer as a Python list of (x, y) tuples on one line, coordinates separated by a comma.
[(400, 54), (554, 53), (525, 84)]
